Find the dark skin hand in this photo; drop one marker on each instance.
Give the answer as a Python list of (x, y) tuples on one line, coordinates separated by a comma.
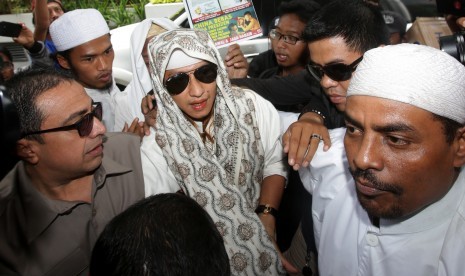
[(298, 142)]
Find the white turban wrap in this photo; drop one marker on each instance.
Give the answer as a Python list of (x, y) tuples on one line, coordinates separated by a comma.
[(414, 74), (180, 59), (77, 27)]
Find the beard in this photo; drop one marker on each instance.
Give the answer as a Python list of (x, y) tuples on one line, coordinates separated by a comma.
[(392, 210)]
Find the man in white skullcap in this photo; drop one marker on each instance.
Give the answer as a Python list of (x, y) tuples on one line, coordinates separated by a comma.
[(82, 40), (393, 202)]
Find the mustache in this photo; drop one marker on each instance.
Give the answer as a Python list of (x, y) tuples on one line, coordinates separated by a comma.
[(369, 176)]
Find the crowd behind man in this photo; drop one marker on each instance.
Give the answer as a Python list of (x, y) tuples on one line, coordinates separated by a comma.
[(400, 175)]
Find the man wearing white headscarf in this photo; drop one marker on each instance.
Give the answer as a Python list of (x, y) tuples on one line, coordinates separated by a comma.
[(128, 103), (393, 202), (82, 40)]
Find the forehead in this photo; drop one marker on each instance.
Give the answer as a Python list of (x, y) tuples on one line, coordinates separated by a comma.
[(63, 100), (331, 50), (372, 112), (52, 5), (93, 47), (290, 22)]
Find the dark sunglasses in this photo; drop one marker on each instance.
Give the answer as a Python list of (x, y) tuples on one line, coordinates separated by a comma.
[(83, 126), (178, 82), (336, 71)]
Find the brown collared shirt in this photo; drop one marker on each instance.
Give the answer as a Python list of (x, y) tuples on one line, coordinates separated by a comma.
[(40, 236)]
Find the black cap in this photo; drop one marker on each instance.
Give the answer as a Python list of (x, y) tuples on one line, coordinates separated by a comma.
[(395, 22)]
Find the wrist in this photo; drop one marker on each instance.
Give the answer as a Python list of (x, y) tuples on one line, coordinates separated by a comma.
[(266, 210), (34, 47), (313, 116)]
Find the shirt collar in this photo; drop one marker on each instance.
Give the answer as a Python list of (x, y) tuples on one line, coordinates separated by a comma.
[(41, 211)]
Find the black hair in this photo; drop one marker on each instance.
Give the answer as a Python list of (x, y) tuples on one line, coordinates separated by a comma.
[(25, 87), (165, 234), (359, 23), (304, 9), (449, 127), (247, 13)]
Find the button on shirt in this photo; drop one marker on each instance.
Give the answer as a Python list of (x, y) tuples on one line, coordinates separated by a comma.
[(41, 236), (431, 242)]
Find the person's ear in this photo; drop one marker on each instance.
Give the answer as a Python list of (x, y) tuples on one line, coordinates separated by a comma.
[(63, 62), (27, 150), (459, 160)]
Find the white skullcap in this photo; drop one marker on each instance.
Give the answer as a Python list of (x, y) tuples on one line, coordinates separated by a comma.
[(77, 27), (414, 74), (179, 59)]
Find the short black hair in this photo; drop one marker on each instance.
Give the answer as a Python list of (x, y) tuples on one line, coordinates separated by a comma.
[(449, 127), (359, 23), (247, 13), (25, 87), (165, 234), (304, 9)]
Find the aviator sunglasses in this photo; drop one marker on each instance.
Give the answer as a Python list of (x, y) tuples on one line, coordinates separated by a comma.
[(336, 71), (83, 126), (178, 82)]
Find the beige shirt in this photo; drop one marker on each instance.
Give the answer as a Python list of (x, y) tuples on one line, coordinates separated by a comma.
[(40, 236)]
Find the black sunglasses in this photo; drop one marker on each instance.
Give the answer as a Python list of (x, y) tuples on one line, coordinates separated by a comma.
[(336, 71), (83, 126), (178, 82)]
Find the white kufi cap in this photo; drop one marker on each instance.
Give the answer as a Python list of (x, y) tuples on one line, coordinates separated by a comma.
[(418, 75), (77, 27)]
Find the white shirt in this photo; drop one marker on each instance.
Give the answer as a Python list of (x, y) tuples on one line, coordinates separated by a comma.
[(431, 242), (107, 98), (158, 177)]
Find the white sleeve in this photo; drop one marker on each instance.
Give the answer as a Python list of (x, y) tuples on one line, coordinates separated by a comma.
[(158, 177), (328, 171), (269, 125)]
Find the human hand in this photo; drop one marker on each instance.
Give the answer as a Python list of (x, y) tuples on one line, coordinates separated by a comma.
[(149, 109), (461, 22), (136, 127), (236, 63), (301, 139), (25, 37), (269, 222)]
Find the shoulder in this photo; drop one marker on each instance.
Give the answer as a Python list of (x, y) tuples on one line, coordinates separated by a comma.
[(122, 147)]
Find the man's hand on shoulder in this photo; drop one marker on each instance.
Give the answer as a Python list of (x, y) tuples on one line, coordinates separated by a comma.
[(301, 139)]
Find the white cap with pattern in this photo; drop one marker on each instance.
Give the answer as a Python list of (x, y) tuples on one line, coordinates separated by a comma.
[(77, 27), (418, 75)]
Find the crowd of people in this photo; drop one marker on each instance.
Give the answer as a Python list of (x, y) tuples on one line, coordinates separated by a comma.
[(343, 156)]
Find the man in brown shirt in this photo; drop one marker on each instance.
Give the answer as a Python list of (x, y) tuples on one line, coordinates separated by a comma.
[(71, 181)]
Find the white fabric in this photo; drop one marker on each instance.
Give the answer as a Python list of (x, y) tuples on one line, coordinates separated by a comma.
[(77, 27), (430, 243), (107, 98), (418, 75), (128, 102), (160, 179), (179, 59)]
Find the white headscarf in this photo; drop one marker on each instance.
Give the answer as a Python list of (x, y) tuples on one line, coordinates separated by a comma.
[(418, 75), (141, 83)]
